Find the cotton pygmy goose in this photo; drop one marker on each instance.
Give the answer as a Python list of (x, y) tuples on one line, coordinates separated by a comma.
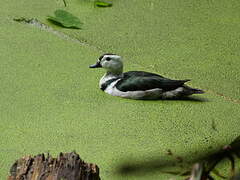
[(138, 84)]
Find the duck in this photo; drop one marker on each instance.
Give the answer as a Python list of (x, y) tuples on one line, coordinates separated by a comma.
[(138, 84)]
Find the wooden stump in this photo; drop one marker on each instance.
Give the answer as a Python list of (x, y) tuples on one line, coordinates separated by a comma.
[(67, 166)]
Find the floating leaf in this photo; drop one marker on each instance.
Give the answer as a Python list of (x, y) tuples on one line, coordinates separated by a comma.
[(100, 3), (65, 19), (217, 173)]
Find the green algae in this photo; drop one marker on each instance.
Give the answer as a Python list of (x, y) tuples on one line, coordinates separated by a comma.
[(50, 101)]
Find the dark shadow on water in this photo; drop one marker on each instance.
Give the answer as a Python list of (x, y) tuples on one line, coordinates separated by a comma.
[(166, 164), (59, 24), (131, 168), (182, 163), (189, 99)]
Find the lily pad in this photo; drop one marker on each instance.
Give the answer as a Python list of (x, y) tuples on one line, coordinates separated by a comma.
[(65, 19), (99, 3)]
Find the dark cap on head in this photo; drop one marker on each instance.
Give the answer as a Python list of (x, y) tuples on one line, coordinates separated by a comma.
[(98, 63), (100, 58)]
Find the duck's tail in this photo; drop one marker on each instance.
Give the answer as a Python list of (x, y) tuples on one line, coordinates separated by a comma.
[(197, 91), (189, 91)]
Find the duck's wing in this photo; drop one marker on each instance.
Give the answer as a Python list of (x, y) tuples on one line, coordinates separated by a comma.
[(140, 74), (141, 81)]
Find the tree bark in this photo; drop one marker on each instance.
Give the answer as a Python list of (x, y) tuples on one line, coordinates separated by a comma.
[(67, 166)]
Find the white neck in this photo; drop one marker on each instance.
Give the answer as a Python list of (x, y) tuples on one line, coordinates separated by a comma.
[(115, 72), (108, 76)]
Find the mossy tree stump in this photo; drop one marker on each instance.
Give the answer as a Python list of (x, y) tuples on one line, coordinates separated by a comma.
[(67, 166)]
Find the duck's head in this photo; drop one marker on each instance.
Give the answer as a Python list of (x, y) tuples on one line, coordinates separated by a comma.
[(111, 62)]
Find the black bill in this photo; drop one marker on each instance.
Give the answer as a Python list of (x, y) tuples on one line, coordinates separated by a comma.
[(97, 65)]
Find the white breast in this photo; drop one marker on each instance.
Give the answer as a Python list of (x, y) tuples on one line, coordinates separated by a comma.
[(105, 78), (148, 94)]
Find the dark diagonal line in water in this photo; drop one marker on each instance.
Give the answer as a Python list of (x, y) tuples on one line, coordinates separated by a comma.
[(36, 23)]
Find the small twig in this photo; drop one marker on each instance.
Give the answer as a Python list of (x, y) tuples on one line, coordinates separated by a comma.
[(214, 125), (64, 2), (169, 152)]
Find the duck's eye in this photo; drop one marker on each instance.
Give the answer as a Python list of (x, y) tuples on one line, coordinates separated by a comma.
[(108, 59)]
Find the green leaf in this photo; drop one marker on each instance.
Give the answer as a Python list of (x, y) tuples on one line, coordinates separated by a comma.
[(217, 173), (65, 19), (100, 3)]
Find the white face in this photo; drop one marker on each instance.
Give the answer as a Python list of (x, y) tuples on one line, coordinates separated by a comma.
[(112, 63)]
